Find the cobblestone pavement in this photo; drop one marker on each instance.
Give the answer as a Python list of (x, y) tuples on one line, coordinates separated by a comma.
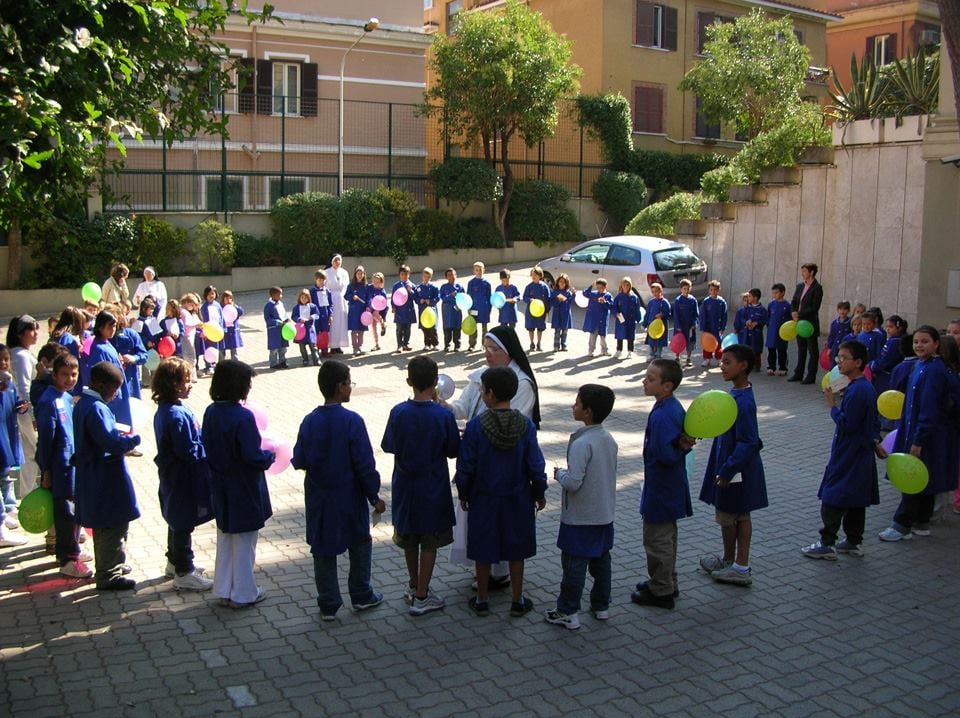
[(876, 636)]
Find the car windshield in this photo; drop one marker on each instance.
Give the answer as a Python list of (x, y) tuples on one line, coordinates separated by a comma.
[(676, 258), (591, 254)]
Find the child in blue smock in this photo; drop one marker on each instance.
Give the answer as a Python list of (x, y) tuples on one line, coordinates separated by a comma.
[(599, 306), (405, 313), (44, 378), (890, 354), (451, 315), (358, 303), (561, 312), (232, 338), (749, 322), (849, 482), (778, 311), (341, 482), (305, 314), (149, 330), (871, 336), (11, 453), (105, 497), (839, 328), (508, 311), (132, 354), (212, 313), (537, 289), (666, 491), (104, 329), (657, 308), (238, 486), (686, 311), (323, 299), (734, 483), (275, 316), (427, 297), (182, 468), (423, 516), (713, 320), (901, 372), (500, 483), (626, 309), (378, 325), (480, 292)]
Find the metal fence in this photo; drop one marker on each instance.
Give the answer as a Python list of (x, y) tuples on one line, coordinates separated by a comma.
[(269, 154)]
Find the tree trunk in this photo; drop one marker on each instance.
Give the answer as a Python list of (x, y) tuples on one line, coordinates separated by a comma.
[(504, 205), (14, 253), (950, 22)]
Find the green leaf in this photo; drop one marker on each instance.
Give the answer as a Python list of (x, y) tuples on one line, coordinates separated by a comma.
[(34, 160)]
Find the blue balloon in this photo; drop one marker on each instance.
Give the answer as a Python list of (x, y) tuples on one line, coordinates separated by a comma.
[(729, 340)]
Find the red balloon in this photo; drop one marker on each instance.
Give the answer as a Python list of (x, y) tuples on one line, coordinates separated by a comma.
[(323, 340), (678, 342), (826, 360), (166, 347)]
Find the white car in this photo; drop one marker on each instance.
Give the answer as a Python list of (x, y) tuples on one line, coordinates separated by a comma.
[(645, 260)]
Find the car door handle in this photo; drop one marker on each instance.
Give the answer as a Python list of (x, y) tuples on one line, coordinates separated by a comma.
[(595, 271)]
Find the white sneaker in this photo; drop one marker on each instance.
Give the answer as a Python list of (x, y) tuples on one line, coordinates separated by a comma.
[(891, 534), (192, 582), (602, 615), (10, 521), (171, 572), (84, 556), (76, 569), (570, 621), (7, 538), (420, 606)]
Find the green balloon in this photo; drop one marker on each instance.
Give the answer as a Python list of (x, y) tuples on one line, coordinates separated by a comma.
[(469, 326), (288, 331), (906, 472), (91, 292), (805, 328), (711, 414), (36, 511)]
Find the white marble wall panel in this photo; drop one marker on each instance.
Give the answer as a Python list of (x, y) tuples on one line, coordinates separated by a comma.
[(744, 239)]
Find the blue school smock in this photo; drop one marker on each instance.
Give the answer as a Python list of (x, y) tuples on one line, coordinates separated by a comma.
[(11, 453), (850, 479), (37, 387), (536, 290), (342, 482), (449, 311), (274, 316), (356, 296), (406, 313), (212, 313), (884, 364), (306, 314), (595, 318), (507, 314), (238, 486), (925, 422), (655, 307), (501, 486), (778, 312), (103, 350), (901, 374), (372, 292), (421, 435), (752, 338), (54, 415), (232, 338), (873, 342), (147, 336), (167, 325), (839, 329), (323, 301), (427, 296), (686, 311), (666, 489), (181, 461), (103, 489), (629, 306), (71, 343), (480, 291), (127, 342), (737, 452), (713, 316), (561, 310)]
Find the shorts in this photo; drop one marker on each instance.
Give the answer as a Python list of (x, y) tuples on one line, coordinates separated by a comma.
[(725, 518), (425, 542)]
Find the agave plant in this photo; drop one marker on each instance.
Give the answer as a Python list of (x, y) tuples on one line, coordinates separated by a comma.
[(865, 98), (913, 87)]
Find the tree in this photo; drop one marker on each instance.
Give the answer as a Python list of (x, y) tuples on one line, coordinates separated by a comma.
[(500, 75), (753, 73), (79, 75)]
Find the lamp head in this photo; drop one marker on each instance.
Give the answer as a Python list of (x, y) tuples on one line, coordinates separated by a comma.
[(371, 25)]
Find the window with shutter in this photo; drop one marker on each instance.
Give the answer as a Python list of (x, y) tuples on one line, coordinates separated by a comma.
[(264, 85), (246, 84), (308, 90), (669, 34), (704, 20), (705, 129), (882, 48), (645, 26), (648, 109), (655, 25)]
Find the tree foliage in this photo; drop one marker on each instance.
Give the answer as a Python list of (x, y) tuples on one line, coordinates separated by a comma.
[(658, 219), (464, 180)]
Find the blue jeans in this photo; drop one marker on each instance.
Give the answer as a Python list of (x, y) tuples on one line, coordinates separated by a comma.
[(575, 576), (358, 582), (8, 500), (278, 356)]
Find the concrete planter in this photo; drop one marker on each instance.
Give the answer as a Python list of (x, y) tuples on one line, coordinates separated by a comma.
[(780, 175), (858, 132), (748, 193), (691, 228), (816, 156), (718, 211), (911, 128)]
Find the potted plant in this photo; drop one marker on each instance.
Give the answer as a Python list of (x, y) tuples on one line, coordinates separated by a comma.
[(857, 108)]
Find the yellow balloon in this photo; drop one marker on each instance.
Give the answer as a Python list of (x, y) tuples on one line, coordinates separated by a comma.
[(788, 331), (656, 328), (212, 332), (469, 326), (825, 382), (428, 319), (537, 307), (890, 404)]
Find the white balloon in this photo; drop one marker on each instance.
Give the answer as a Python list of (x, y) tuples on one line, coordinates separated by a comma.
[(445, 386)]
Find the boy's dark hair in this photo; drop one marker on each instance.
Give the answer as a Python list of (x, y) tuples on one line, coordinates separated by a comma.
[(404, 268), (332, 373), (598, 399), (51, 350), (504, 274), (502, 381), (277, 290), (741, 353), (601, 280), (449, 270), (843, 305), (858, 352), (422, 372), (105, 374), (167, 378), (778, 287), (669, 371), (64, 358), (207, 289), (906, 346), (319, 273), (147, 305), (231, 381), (756, 293)]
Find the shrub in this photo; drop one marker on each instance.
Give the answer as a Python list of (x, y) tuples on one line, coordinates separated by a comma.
[(308, 226), (607, 118), (668, 172), (401, 209), (161, 245), (254, 251), (464, 180), (432, 229), (621, 195), (539, 213), (214, 245), (716, 183), (658, 219), (477, 233)]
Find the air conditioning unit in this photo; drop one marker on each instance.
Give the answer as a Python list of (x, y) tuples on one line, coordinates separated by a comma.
[(929, 37)]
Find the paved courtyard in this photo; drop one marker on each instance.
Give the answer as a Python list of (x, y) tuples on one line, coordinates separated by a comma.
[(877, 636)]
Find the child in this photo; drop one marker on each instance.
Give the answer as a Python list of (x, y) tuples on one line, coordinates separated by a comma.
[(379, 318), (102, 350), (275, 316), (427, 297), (890, 354), (323, 299), (901, 372), (232, 339), (423, 516), (778, 312), (500, 480), (452, 318), (105, 497), (713, 320), (626, 308), (172, 326), (657, 308), (750, 332), (358, 302), (147, 328), (561, 312), (600, 304), (55, 448), (858, 309), (21, 337), (734, 483), (11, 408), (189, 304), (338, 521), (238, 487), (686, 311), (479, 290), (587, 509), (839, 328), (666, 492), (871, 336), (850, 480), (508, 312), (185, 501), (70, 328), (305, 315), (537, 289), (44, 378), (405, 315), (130, 351), (212, 313), (856, 326)]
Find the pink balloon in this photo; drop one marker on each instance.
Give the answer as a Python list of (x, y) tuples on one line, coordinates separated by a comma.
[(379, 302), (259, 414), (401, 296), (826, 360), (283, 451), (230, 313), (211, 354), (166, 347), (301, 332), (678, 343), (888, 441), (868, 373), (87, 343), (366, 319)]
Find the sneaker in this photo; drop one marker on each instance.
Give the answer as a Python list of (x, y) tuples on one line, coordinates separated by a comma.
[(192, 582), (732, 575), (892, 534), (76, 569), (327, 617), (921, 530), (645, 586), (854, 549), (782, 372), (10, 521), (171, 572), (570, 621), (818, 550), (126, 568), (688, 363), (8, 539), (117, 584), (84, 556), (769, 372), (375, 600), (82, 537), (496, 583), (481, 608), (601, 614), (705, 364), (261, 596), (420, 606), (409, 593), (647, 598), (521, 607), (713, 563)]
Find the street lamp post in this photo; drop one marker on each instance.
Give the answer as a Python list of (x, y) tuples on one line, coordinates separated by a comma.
[(371, 25)]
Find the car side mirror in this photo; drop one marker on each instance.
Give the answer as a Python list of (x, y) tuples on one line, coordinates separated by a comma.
[(566, 258)]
